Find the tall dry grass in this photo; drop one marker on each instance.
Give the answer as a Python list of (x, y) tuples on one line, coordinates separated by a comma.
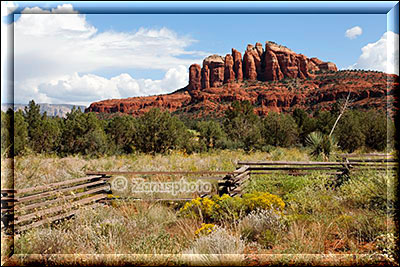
[(33, 170), (317, 219)]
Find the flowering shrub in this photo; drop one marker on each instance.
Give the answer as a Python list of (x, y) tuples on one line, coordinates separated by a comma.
[(205, 229), (225, 207), (263, 200)]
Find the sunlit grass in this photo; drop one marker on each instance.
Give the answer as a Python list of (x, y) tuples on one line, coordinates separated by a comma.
[(318, 219)]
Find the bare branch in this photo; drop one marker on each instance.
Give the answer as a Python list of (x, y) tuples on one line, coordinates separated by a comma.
[(343, 109)]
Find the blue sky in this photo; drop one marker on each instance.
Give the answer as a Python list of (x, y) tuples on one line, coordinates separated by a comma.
[(73, 58), (319, 36)]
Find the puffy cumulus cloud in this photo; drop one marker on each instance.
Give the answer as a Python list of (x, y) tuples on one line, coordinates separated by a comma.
[(60, 9), (51, 46), (352, 33), (382, 55), (83, 89)]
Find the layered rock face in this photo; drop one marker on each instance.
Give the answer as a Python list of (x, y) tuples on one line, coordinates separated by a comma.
[(216, 69), (138, 105), (195, 77), (272, 79), (237, 64), (274, 63), (229, 73)]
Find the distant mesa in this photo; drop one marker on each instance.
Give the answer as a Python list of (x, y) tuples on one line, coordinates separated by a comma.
[(52, 110), (273, 78)]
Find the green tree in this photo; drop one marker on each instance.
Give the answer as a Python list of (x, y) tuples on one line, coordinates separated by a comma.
[(33, 118), (6, 133), (279, 130), (305, 124), (324, 121), (158, 132), (44, 132), (375, 129), (121, 132), (242, 125), (349, 133), (20, 133), (83, 133), (210, 132), (48, 135)]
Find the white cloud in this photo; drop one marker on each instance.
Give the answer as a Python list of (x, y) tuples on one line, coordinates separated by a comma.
[(383, 55), (352, 33), (84, 89), (61, 9), (50, 49)]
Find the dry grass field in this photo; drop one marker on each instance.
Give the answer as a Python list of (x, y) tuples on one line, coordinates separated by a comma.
[(356, 218)]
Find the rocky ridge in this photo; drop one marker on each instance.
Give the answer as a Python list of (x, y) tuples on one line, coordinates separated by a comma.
[(272, 79)]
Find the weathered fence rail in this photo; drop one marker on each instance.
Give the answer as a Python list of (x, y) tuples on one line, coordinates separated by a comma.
[(156, 173), (191, 175), (349, 163), (30, 207)]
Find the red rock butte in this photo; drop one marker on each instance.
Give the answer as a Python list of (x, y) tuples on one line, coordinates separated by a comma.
[(272, 79)]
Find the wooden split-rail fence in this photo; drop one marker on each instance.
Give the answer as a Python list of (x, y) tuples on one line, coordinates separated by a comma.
[(339, 170), (31, 207)]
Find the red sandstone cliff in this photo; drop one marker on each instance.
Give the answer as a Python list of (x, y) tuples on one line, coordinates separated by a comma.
[(274, 78), (274, 63)]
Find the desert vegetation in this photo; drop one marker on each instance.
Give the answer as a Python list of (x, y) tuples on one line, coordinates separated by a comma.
[(277, 214), (161, 132)]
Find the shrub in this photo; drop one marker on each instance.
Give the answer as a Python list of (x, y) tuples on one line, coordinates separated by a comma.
[(324, 121), (242, 125), (205, 229), (211, 133), (154, 243), (309, 195), (261, 226), (158, 132), (47, 136), (364, 227), (262, 200), (370, 190), (83, 133), (218, 242), (44, 132), (374, 128), (227, 208), (279, 130), (121, 131), (20, 133), (305, 123), (321, 145), (349, 132), (6, 131)]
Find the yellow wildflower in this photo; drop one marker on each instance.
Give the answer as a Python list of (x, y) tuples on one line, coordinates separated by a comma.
[(206, 228)]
